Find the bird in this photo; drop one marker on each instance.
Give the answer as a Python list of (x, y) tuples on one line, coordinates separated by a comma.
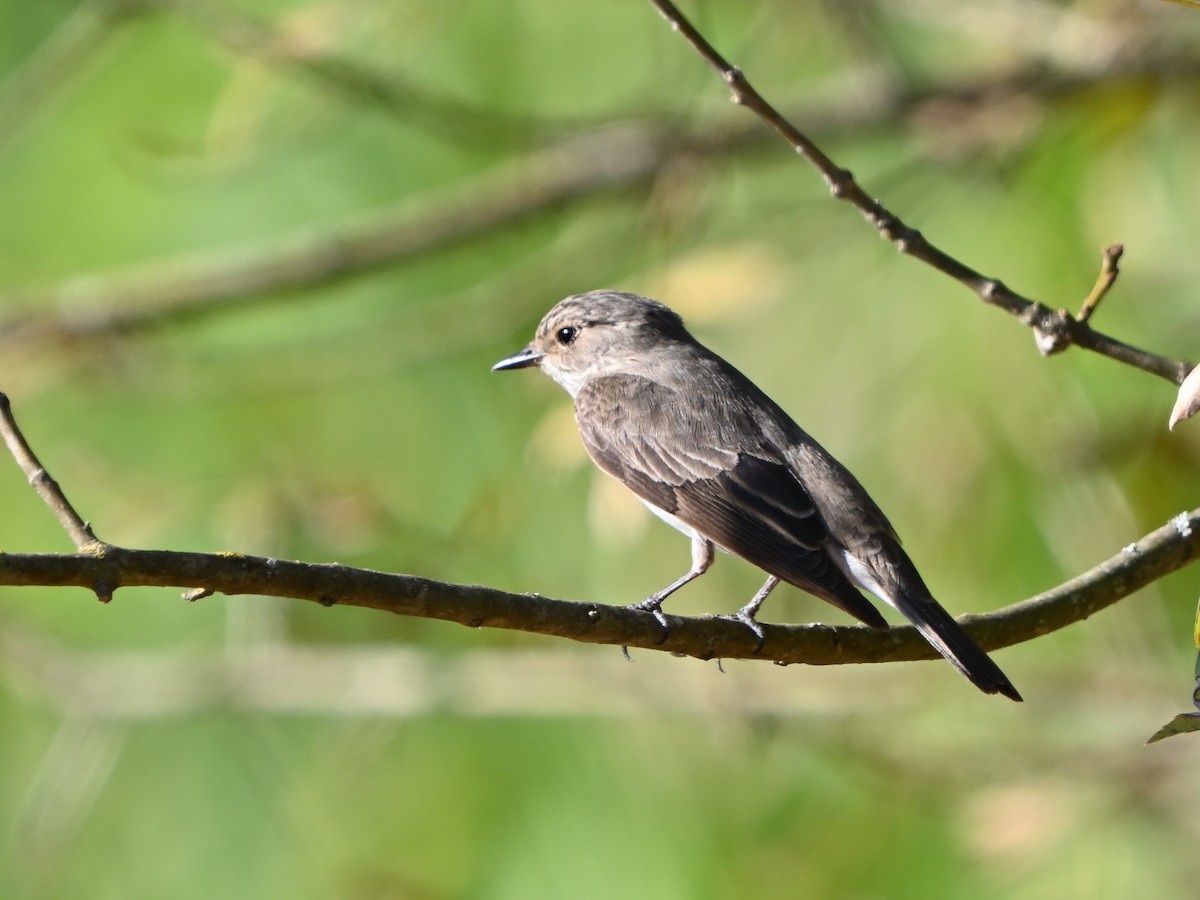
[(711, 454)]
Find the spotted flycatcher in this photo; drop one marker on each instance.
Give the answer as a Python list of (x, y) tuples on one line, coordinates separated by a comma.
[(714, 456)]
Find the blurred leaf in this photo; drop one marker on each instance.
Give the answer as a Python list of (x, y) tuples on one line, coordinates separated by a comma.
[(1184, 723), (1196, 636)]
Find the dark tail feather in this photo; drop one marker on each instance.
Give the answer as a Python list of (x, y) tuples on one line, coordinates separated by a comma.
[(947, 637)]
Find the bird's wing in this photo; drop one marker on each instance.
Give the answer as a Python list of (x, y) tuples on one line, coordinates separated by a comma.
[(707, 464)]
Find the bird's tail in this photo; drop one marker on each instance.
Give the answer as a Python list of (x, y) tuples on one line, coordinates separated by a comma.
[(946, 636)]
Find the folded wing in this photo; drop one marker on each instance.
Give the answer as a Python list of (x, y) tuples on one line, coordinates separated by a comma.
[(710, 468)]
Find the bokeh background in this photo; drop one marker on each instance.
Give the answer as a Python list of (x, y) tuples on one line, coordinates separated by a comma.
[(256, 259)]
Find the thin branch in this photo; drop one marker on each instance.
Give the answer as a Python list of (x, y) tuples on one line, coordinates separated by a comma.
[(1109, 270), (1054, 330), (581, 167), (103, 568), (149, 295), (47, 488), (1157, 554)]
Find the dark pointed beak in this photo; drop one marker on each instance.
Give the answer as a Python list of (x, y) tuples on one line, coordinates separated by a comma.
[(524, 359)]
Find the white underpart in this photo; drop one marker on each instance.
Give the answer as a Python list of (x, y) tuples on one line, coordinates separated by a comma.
[(854, 568), (675, 522), (571, 382), (857, 571)]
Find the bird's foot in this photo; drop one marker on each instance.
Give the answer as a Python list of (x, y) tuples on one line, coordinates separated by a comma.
[(745, 615), (653, 604)]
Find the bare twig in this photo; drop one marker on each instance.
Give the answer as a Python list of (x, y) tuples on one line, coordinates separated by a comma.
[(1054, 330), (103, 568), (47, 488), (144, 297), (1157, 554), (1110, 260), (585, 166)]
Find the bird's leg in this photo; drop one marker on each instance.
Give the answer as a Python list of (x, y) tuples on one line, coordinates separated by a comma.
[(702, 557), (746, 614)]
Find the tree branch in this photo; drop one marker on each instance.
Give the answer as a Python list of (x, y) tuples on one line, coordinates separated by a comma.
[(150, 295), (1109, 270), (103, 568), (583, 166), (47, 487), (1054, 329), (704, 637)]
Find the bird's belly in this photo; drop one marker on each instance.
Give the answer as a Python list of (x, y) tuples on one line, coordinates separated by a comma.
[(679, 525), (672, 520)]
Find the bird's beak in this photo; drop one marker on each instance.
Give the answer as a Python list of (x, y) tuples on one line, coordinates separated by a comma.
[(524, 359)]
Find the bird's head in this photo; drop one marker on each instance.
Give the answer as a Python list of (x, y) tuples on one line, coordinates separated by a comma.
[(595, 334)]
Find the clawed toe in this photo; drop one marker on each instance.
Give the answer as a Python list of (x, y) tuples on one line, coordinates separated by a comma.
[(745, 615), (653, 605)]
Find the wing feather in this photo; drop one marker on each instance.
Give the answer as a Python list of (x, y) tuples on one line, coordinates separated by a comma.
[(747, 500)]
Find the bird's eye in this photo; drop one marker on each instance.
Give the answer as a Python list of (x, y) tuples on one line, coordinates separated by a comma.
[(566, 335)]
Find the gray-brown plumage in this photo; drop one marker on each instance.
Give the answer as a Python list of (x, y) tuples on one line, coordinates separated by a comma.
[(710, 453)]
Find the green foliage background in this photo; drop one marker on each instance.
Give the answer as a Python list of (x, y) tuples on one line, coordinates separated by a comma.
[(154, 748)]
